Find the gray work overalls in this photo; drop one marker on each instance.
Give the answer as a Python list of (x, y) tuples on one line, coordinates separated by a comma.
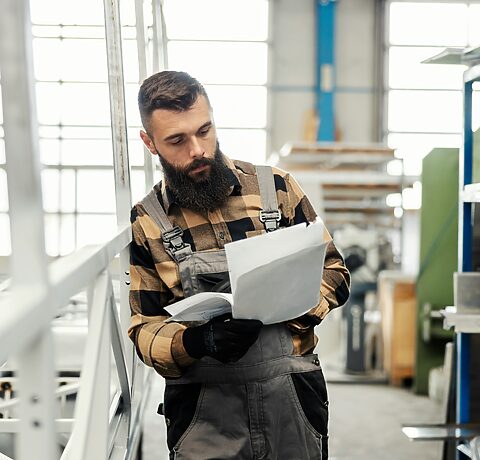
[(249, 409)]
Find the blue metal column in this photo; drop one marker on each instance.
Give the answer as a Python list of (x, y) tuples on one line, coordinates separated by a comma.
[(465, 233), (325, 84), (466, 177)]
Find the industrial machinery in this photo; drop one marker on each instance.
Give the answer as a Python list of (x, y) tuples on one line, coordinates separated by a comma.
[(365, 253)]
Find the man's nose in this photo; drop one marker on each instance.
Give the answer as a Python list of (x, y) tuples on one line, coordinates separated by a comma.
[(196, 149)]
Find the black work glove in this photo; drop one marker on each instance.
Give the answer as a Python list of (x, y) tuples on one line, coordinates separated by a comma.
[(223, 338)]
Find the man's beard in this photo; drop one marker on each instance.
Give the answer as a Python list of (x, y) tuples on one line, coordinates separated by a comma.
[(204, 193)]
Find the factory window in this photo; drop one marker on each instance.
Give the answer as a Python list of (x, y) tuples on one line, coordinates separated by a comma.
[(223, 44), (425, 100)]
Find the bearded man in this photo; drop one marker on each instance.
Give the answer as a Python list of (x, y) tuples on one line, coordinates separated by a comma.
[(235, 389)]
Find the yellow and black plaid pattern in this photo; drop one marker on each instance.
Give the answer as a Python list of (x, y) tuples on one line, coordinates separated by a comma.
[(155, 281)]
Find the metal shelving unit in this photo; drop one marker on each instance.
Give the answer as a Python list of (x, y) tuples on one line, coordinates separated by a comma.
[(466, 430), (352, 179), (465, 245)]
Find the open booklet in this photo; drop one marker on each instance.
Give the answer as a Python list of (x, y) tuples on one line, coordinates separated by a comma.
[(274, 277)]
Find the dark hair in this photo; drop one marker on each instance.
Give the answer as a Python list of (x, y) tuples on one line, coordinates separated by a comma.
[(169, 90)]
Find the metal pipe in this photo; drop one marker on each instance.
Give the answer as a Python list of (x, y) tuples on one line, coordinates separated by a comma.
[(160, 55), (117, 111), (149, 165)]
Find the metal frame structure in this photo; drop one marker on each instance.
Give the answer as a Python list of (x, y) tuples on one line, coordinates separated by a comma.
[(106, 424), (465, 432), (465, 242)]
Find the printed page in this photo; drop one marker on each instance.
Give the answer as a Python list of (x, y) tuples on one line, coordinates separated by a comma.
[(283, 289), (200, 307), (275, 277), (245, 255)]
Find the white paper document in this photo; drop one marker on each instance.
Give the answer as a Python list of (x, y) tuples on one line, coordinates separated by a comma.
[(201, 307), (274, 277)]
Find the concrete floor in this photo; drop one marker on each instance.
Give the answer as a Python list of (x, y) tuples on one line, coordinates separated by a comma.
[(366, 420), (365, 423)]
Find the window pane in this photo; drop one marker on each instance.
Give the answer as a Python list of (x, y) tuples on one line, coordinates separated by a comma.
[(138, 185), (127, 12), (5, 242), (52, 234), (81, 104), (48, 132), (95, 191), (70, 60), (131, 98), (473, 21), (3, 191), (55, 31), (95, 229), (407, 71), (68, 188), (442, 24), (47, 58), (51, 190), (239, 106), (49, 151), (48, 103), (87, 152), (2, 152), (430, 111), (85, 104), (67, 234), (133, 132), (135, 152), (226, 63), (130, 61), (67, 12), (59, 234), (244, 144), (414, 147), (86, 132), (217, 19)]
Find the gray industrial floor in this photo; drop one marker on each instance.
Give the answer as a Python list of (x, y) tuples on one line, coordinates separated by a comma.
[(365, 423)]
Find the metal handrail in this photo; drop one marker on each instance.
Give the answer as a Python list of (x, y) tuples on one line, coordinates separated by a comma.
[(67, 276), (89, 438), (101, 428)]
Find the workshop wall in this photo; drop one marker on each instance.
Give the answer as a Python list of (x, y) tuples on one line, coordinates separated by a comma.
[(293, 70)]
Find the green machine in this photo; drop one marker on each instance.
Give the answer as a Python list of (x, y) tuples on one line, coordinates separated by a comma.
[(438, 259)]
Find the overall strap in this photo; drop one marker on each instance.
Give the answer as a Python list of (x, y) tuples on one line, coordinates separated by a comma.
[(269, 215), (171, 236)]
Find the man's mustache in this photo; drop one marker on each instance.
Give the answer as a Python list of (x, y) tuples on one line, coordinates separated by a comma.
[(199, 162)]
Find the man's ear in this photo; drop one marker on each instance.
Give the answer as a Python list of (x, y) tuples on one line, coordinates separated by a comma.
[(148, 142)]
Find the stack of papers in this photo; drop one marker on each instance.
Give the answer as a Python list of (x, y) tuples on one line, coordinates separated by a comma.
[(275, 277)]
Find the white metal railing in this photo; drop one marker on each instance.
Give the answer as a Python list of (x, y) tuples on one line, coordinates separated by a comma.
[(106, 423)]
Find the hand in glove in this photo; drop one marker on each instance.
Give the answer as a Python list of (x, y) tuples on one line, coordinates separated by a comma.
[(223, 338)]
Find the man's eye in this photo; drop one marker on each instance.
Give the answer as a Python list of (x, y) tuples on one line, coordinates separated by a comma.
[(205, 131), (177, 141)]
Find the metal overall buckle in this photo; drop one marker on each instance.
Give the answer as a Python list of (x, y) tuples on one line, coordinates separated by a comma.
[(174, 244), (270, 219)]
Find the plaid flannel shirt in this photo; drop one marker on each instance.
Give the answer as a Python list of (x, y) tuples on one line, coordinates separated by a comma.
[(155, 281)]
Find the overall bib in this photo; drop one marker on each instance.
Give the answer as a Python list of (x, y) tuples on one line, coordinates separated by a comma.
[(256, 408)]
